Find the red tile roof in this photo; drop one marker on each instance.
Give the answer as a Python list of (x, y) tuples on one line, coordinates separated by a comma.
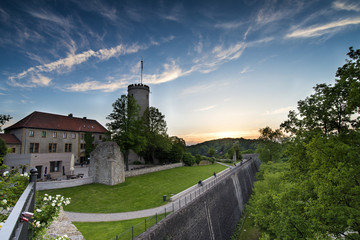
[(41, 120), (9, 138)]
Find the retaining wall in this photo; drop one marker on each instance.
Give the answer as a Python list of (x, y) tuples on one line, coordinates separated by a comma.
[(151, 169), (213, 215), (63, 184)]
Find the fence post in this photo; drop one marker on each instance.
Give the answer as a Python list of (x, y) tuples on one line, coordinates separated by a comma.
[(165, 212), (156, 217), (132, 232), (145, 224), (33, 179)]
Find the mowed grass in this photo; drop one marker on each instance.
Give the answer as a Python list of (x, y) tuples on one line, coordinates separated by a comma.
[(136, 193), (109, 230)]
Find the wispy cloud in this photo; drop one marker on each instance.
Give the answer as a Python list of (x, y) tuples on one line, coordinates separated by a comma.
[(203, 88), (171, 72), (279, 111), (228, 25), (272, 12), (205, 108), (316, 31), (66, 64), (43, 14), (346, 5), (97, 85), (245, 70)]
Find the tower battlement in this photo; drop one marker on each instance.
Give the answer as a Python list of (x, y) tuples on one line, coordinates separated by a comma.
[(139, 86)]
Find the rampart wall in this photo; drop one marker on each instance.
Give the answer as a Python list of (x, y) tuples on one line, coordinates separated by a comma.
[(213, 215), (151, 169)]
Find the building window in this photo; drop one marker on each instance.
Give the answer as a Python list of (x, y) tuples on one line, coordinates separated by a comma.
[(54, 134), (82, 146), (34, 147), (73, 135), (55, 166), (68, 147), (82, 136), (52, 147), (31, 133), (43, 134), (64, 135), (100, 137), (13, 150)]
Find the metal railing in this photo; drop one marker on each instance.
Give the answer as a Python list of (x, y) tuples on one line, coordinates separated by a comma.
[(16, 225)]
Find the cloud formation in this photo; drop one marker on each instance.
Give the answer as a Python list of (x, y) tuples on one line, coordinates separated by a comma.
[(66, 64), (315, 31)]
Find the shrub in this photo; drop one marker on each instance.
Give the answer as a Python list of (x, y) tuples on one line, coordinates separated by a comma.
[(188, 159)]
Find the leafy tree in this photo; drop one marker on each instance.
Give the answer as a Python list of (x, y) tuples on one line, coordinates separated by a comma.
[(4, 119), (89, 146), (198, 158), (211, 152), (177, 149), (318, 196), (270, 148), (3, 149), (155, 131), (126, 126), (188, 159)]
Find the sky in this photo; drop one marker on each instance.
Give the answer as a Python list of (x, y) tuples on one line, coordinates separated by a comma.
[(215, 69)]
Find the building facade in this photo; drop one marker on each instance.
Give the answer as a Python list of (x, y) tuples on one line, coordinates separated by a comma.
[(50, 142)]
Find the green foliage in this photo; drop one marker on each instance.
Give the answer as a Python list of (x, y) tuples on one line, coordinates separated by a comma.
[(89, 146), (188, 159), (158, 144), (12, 185), (317, 196), (211, 152), (47, 210), (3, 149), (4, 119), (126, 126), (221, 146), (177, 149), (270, 146)]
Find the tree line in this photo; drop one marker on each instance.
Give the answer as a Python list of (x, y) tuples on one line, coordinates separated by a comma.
[(309, 186)]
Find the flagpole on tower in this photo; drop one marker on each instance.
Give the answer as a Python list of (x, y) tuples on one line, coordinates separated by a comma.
[(142, 66)]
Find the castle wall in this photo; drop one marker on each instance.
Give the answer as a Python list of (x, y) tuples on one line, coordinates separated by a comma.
[(213, 215)]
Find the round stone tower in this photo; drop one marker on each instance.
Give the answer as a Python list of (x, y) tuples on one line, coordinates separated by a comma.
[(141, 94)]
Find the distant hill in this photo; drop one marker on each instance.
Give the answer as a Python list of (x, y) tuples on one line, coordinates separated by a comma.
[(222, 146)]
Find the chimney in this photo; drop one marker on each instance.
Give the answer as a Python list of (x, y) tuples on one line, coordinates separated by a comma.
[(84, 118), (70, 115)]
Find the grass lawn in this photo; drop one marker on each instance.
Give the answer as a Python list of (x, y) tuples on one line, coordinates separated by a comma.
[(136, 193), (109, 230), (248, 231)]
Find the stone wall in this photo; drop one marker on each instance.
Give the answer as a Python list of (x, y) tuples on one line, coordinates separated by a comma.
[(152, 169), (63, 184), (107, 164), (213, 215)]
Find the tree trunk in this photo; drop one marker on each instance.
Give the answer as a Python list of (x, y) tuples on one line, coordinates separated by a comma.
[(126, 159)]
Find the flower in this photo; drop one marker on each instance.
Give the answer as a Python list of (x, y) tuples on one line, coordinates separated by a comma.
[(38, 210), (53, 204), (1, 224), (5, 173), (4, 201)]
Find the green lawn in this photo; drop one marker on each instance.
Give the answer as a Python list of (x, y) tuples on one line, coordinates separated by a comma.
[(109, 230), (136, 193)]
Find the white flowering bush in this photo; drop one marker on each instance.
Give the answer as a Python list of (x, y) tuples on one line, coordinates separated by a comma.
[(47, 209), (12, 185)]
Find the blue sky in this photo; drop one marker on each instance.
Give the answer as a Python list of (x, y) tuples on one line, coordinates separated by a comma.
[(215, 68)]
